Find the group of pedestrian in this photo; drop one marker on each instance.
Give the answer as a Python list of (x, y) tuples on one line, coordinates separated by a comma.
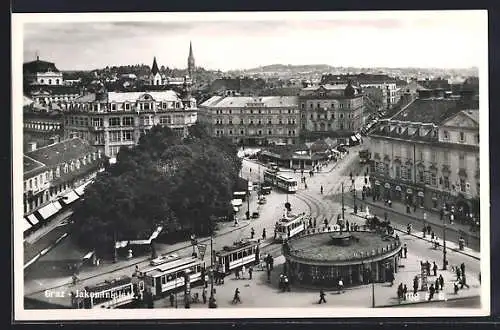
[(284, 283), (461, 280), (269, 260), (241, 271)]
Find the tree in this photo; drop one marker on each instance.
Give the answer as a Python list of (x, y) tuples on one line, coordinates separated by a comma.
[(165, 181)]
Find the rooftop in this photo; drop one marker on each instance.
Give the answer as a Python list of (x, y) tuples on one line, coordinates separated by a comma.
[(244, 101), (39, 66), (321, 248), (132, 97), (61, 152), (433, 110), (29, 164), (362, 78)]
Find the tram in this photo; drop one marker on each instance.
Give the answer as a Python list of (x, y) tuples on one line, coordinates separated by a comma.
[(290, 226), (108, 294), (167, 277), (240, 254), (282, 182)]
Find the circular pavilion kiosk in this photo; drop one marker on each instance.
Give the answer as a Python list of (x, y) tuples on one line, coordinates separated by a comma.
[(357, 257)]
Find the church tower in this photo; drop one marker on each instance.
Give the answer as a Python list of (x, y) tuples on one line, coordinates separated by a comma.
[(191, 61), (155, 75)]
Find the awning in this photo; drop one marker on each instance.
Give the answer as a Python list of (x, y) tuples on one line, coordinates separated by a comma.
[(409, 191), (387, 185), (26, 225), (398, 188), (47, 211), (81, 189), (358, 136), (70, 197), (32, 218), (421, 194), (57, 205), (353, 138)]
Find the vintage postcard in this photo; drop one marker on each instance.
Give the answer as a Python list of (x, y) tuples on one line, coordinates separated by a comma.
[(250, 165)]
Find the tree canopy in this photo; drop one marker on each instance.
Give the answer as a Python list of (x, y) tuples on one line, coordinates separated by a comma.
[(164, 180)]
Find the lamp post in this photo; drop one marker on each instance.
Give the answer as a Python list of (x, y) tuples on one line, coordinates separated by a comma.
[(354, 193), (211, 302), (373, 289), (445, 266), (342, 200)]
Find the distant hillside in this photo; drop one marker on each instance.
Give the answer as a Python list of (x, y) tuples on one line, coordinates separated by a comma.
[(289, 67)]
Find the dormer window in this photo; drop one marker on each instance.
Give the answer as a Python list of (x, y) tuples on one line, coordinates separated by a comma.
[(446, 135), (462, 137)]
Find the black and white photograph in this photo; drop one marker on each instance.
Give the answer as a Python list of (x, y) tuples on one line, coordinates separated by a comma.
[(250, 164)]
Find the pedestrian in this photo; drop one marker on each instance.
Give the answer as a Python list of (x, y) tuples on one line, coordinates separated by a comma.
[(269, 275), (432, 290), (237, 273), (321, 190), (236, 298), (415, 285), (243, 269), (463, 282), (286, 283), (405, 250), (428, 268), (462, 268), (408, 208), (171, 299), (341, 285), (405, 292), (250, 271), (271, 261), (434, 268), (437, 285), (400, 291), (458, 273), (264, 233), (455, 287), (432, 236), (252, 233), (204, 295), (322, 297), (441, 281)]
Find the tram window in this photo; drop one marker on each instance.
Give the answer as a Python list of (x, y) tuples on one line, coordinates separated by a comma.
[(234, 256), (141, 285), (169, 278), (239, 255), (244, 253), (163, 279)]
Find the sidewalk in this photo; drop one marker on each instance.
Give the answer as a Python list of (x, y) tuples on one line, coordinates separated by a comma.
[(432, 217)]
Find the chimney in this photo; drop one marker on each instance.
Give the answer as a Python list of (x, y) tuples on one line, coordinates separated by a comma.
[(32, 146)]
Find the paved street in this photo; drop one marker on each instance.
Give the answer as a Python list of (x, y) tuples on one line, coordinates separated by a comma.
[(48, 272)]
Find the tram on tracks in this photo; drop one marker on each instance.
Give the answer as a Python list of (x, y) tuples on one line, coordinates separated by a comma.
[(289, 226), (285, 183), (241, 253), (169, 276), (109, 294)]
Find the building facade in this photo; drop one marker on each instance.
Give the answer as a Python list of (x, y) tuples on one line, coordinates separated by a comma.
[(428, 164), (54, 176), (111, 120), (331, 108), (253, 120), (40, 72)]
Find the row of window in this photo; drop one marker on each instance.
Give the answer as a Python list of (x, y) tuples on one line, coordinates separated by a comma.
[(425, 177), (118, 136), (220, 121), (49, 194), (180, 274), (132, 106), (313, 116), (259, 132), (254, 111), (127, 121), (326, 106), (40, 180), (462, 137), (42, 126)]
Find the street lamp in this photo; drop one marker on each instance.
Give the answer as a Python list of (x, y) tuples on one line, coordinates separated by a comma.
[(354, 193), (445, 266), (342, 200)]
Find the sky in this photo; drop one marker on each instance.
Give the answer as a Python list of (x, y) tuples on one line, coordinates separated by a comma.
[(448, 39)]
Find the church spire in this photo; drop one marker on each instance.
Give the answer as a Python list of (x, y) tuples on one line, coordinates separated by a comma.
[(154, 69), (190, 60)]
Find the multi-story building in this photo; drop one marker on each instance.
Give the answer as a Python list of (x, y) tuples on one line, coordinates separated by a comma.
[(382, 87), (45, 84), (55, 175), (111, 120), (253, 120), (331, 108), (428, 154)]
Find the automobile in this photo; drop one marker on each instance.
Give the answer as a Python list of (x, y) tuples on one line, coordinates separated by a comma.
[(163, 259), (255, 215), (262, 200), (265, 190)]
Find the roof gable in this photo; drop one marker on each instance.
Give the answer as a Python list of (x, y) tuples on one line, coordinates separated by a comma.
[(463, 119)]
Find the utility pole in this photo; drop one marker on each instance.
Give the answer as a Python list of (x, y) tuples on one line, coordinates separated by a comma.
[(212, 302), (342, 200), (444, 245)]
